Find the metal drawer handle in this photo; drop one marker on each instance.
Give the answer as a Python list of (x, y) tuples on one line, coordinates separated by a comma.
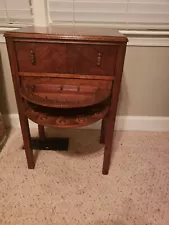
[(32, 57), (99, 59)]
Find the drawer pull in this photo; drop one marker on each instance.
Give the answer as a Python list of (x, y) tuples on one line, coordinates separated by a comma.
[(32, 57), (99, 59)]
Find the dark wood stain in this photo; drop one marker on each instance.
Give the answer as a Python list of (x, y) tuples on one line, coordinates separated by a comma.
[(71, 58), (68, 33), (66, 77), (64, 93)]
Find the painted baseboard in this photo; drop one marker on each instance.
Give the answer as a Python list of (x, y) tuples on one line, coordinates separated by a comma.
[(139, 123)]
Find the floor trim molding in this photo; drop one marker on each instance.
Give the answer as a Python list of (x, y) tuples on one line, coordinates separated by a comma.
[(139, 123)]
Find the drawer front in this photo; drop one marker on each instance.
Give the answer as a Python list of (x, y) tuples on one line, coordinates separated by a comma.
[(84, 59), (63, 93), (41, 57), (94, 59)]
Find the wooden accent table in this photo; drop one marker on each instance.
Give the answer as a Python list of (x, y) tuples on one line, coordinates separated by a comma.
[(66, 77)]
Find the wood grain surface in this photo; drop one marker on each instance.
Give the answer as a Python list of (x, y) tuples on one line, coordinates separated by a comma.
[(67, 77), (69, 33)]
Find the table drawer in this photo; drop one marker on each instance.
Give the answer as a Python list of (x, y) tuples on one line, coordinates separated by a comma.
[(94, 59), (64, 93), (84, 59), (41, 57)]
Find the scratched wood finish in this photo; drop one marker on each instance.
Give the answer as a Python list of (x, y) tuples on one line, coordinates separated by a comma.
[(58, 67)]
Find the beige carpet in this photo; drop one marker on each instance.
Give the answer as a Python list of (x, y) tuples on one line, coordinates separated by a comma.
[(68, 187)]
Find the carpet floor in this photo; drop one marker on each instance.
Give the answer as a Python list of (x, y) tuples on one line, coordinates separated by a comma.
[(67, 188)]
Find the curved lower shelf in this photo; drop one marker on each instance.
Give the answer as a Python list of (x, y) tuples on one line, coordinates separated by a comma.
[(64, 118)]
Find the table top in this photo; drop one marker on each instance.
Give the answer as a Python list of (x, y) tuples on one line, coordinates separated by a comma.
[(68, 32)]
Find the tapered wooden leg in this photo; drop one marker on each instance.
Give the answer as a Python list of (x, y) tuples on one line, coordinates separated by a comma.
[(41, 132), (20, 104), (110, 119), (102, 135), (109, 130), (27, 141)]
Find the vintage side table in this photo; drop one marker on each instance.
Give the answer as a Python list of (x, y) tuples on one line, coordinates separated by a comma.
[(66, 77)]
